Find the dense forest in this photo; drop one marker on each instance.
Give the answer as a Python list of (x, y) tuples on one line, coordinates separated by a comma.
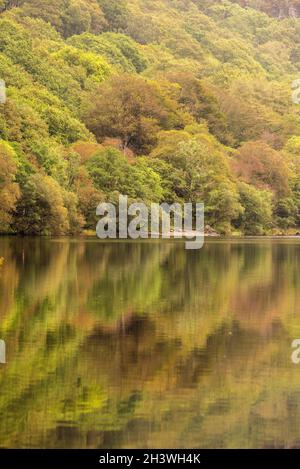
[(162, 100), (277, 9)]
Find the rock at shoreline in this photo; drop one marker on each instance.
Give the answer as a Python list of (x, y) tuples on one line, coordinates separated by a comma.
[(209, 231)]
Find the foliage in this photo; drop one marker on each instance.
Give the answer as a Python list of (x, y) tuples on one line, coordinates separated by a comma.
[(256, 218), (130, 108), (167, 100), (111, 172), (9, 189)]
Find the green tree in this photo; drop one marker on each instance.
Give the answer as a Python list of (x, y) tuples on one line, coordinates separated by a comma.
[(203, 175), (116, 14), (9, 189), (41, 209), (256, 218), (112, 173)]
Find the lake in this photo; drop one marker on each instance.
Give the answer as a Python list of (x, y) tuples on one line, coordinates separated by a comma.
[(148, 345)]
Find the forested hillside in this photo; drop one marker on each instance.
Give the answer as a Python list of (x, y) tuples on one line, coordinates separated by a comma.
[(276, 8), (162, 100)]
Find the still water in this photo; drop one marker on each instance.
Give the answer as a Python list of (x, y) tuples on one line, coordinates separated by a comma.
[(147, 345)]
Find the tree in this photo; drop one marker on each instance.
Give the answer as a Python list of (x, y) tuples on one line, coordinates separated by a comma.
[(258, 164), (202, 174), (41, 209), (256, 218), (81, 16), (119, 49), (112, 173), (130, 108), (76, 220), (200, 102), (68, 16), (8, 4), (88, 197), (95, 68), (286, 212), (116, 14), (9, 189)]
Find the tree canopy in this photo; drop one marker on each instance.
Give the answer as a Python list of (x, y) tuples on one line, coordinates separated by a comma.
[(178, 101)]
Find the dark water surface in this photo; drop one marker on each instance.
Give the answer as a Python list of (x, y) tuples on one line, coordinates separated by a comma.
[(147, 345)]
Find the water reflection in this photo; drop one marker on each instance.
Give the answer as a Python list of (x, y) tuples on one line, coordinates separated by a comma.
[(149, 345)]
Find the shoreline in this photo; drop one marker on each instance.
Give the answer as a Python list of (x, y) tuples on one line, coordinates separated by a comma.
[(173, 236)]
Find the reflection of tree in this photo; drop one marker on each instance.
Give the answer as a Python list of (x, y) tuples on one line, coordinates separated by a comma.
[(147, 344), (131, 280)]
